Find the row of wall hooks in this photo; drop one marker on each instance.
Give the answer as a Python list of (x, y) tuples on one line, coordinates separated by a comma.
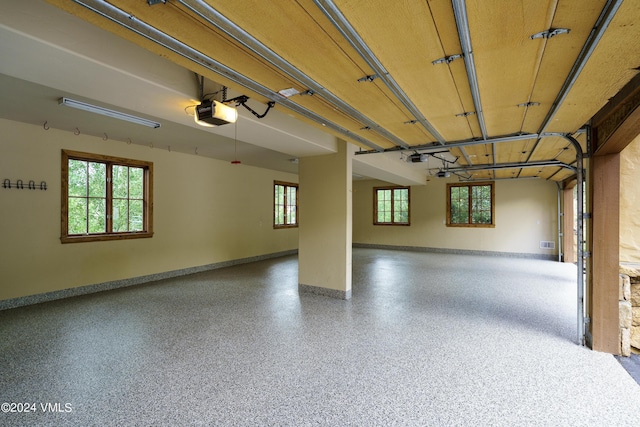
[(20, 185), (105, 137)]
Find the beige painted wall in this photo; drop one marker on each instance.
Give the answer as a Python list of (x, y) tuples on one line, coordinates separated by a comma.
[(630, 202), (526, 213), (205, 211), (326, 220)]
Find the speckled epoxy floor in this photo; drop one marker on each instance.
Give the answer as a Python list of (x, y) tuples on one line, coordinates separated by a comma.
[(426, 340)]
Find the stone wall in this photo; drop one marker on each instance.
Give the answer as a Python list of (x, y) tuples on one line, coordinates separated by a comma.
[(629, 308)]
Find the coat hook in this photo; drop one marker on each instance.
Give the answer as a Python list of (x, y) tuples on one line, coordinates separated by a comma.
[(128, 141), (45, 126), (43, 185), (105, 137), (76, 131), (32, 185), (6, 183), (196, 151)]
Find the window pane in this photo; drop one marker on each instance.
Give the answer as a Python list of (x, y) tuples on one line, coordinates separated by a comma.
[(285, 205), (291, 205), (77, 178), (97, 179), (136, 183), (279, 205), (77, 218), (97, 216), (399, 216), (459, 205), (120, 215), (136, 215), (291, 195), (291, 215), (384, 205), (120, 182), (401, 205), (279, 194)]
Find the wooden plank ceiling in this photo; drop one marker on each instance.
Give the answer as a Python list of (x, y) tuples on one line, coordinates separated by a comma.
[(518, 77)]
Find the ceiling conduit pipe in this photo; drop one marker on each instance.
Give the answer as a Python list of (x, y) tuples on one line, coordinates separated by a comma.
[(145, 30), (349, 33), (238, 34)]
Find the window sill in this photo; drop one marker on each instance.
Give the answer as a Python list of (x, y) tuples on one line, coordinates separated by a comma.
[(105, 237)]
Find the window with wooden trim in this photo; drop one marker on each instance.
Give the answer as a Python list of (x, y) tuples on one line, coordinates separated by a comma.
[(285, 205), (391, 206), (105, 198), (470, 205)]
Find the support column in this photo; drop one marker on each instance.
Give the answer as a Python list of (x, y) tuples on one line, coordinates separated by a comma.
[(325, 223), (606, 248)]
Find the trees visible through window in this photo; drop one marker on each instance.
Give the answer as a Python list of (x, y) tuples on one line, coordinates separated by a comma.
[(285, 205), (105, 197), (470, 205), (391, 206)]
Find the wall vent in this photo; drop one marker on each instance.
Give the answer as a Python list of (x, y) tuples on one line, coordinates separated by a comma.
[(547, 245)]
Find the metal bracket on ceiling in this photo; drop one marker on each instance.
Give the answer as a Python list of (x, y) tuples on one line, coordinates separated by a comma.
[(411, 122), (446, 59), (551, 32), (466, 113), (370, 78), (152, 2), (242, 100), (308, 92), (529, 104)]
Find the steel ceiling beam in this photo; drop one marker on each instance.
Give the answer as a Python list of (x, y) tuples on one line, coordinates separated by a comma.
[(232, 30), (350, 34), (462, 23), (145, 30), (602, 23), (459, 144), (598, 30), (515, 165), (464, 35)]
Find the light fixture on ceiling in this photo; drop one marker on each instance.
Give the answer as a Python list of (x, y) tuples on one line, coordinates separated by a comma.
[(108, 112), (213, 113)]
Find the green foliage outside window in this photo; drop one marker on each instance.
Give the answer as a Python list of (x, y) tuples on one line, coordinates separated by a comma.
[(470, 204), (105, 197), (285, 207), (392, 206)]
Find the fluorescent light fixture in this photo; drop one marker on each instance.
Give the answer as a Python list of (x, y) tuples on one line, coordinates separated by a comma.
[(107, 112), (214, 113)]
